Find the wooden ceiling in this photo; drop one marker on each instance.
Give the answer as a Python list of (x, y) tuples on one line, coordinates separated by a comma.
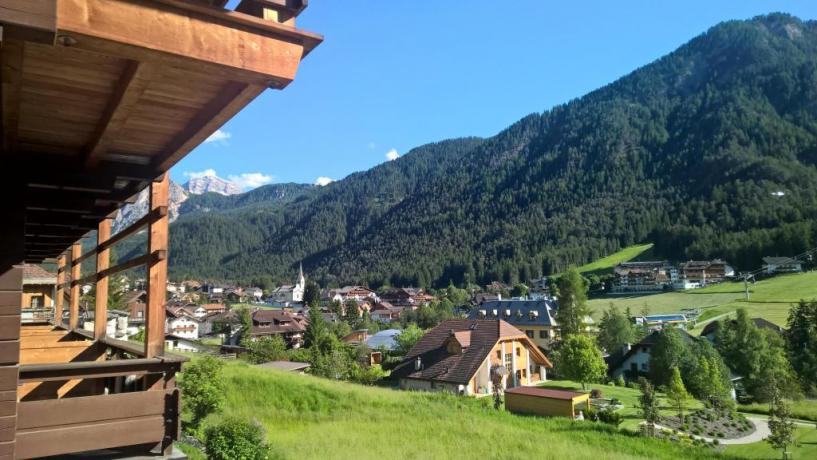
[(99, 97)]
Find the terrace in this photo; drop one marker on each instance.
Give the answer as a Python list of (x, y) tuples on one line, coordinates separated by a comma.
[(99, 99)]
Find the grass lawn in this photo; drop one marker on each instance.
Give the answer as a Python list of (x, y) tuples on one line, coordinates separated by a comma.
[(627, 396), (806, 448), (307, 417), (805, 409), (770, 299), (606, 264)]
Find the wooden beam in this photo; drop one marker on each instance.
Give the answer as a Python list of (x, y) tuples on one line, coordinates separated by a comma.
[(103, 260), (76, 270), (188, 34), (145, 259), (12, 74), (156, 271), (230, 100), (152, 215), (132, 84), (60, 289), (29, 20)]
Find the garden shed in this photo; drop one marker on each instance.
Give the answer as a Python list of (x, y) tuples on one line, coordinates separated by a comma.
[(545, 401)]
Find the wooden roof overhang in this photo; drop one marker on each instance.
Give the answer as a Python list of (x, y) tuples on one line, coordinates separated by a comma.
[(99, 97)]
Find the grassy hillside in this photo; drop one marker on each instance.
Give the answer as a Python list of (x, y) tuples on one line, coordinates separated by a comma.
[(606, 264), (770, 298), (306, 418)]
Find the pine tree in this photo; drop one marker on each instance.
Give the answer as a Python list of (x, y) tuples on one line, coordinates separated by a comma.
[(780, 424), (572, 307), (677, 393)]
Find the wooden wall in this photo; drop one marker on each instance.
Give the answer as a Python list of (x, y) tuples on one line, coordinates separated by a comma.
[(536, 405), (11, 286)]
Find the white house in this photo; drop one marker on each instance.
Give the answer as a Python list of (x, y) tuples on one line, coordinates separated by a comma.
[(182, 325), (773, 265)]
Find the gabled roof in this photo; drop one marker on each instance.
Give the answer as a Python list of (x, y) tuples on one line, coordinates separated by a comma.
[(779, 261), (440, 365), (35, 274)]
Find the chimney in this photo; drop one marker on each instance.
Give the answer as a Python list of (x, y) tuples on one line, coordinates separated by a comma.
[(625, 348), (418, 364)]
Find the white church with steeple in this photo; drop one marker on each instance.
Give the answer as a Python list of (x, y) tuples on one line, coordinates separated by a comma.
[(289, 293)]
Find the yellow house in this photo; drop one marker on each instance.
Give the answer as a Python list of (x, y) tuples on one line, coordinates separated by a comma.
[(462, 356), (39, 287)]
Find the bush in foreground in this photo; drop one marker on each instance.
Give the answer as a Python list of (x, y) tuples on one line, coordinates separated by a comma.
[(236, 439)]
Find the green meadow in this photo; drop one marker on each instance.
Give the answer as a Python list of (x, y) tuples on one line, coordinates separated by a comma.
[(606, 264), (312, 418)]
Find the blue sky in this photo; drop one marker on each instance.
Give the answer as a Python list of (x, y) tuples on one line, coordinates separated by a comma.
[(392, 75)]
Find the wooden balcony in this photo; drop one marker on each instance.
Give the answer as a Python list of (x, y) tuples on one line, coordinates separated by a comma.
[(92, 395), (99, 98)]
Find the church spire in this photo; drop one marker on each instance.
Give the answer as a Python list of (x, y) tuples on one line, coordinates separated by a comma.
[(301, 279)]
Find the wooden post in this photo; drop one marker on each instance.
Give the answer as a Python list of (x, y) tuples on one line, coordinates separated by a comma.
[(156, 271), (60, 297), (11, 299), (103, 261), (76, 270)]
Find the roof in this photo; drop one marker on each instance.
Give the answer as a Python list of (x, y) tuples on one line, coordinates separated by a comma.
[(289, 366), (617, 357), (440, 365), (36, 274), (522, 312), (547, 393), (779, 261), (665, 318), (713, 326), (280, 322), (384, 339)]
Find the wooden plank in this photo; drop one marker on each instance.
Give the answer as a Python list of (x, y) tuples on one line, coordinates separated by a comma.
[(8, 378), (7, 428), (132, 229), (103, 261), (81, 351), (60, 289), (157, 271), (9, 352), (9, 327), (89, 409), (29, 20), (12, 69), (134, 80), (87, 370), (45, 342), (233, 98), (39, 442), (189, 33), (10, 302), (76, 270)]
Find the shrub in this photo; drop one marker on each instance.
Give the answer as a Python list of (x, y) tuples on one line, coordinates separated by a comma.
[(591, 414), (721, 435), (610, 417), (619, 382), (236, 439), (595, 393), (615, 402), (200, 382)]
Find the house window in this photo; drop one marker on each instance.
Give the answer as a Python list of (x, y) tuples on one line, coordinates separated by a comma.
[(518, 351), (498, 354), (508, 359), (643, 349), (543, 334), (529, 334), (644, 367)]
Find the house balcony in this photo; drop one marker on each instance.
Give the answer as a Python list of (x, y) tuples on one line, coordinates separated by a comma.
[(92, 395)]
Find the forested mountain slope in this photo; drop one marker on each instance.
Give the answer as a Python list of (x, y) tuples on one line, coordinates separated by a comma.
[(711, 151)]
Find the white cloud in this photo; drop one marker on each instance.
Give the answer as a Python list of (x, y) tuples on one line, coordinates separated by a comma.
[(323, 181), (250, 180), (219, 136), (392, 155), (195, 175)]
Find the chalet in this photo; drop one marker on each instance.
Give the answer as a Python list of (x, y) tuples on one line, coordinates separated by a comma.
[(210, 308), (652, 276), (632, 361), (772, 265), (39, 291), (483, 297), (357, 293), (181, 343), (533, 317), (385, 312), (278, 322), (700, 273), (462, 356), (407, 297), (182, 323)]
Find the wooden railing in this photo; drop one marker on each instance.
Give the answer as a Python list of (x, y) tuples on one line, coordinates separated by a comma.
[(155, 261), (93, 394)]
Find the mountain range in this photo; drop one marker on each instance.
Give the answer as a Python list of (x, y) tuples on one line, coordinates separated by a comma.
[(710, 151)]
